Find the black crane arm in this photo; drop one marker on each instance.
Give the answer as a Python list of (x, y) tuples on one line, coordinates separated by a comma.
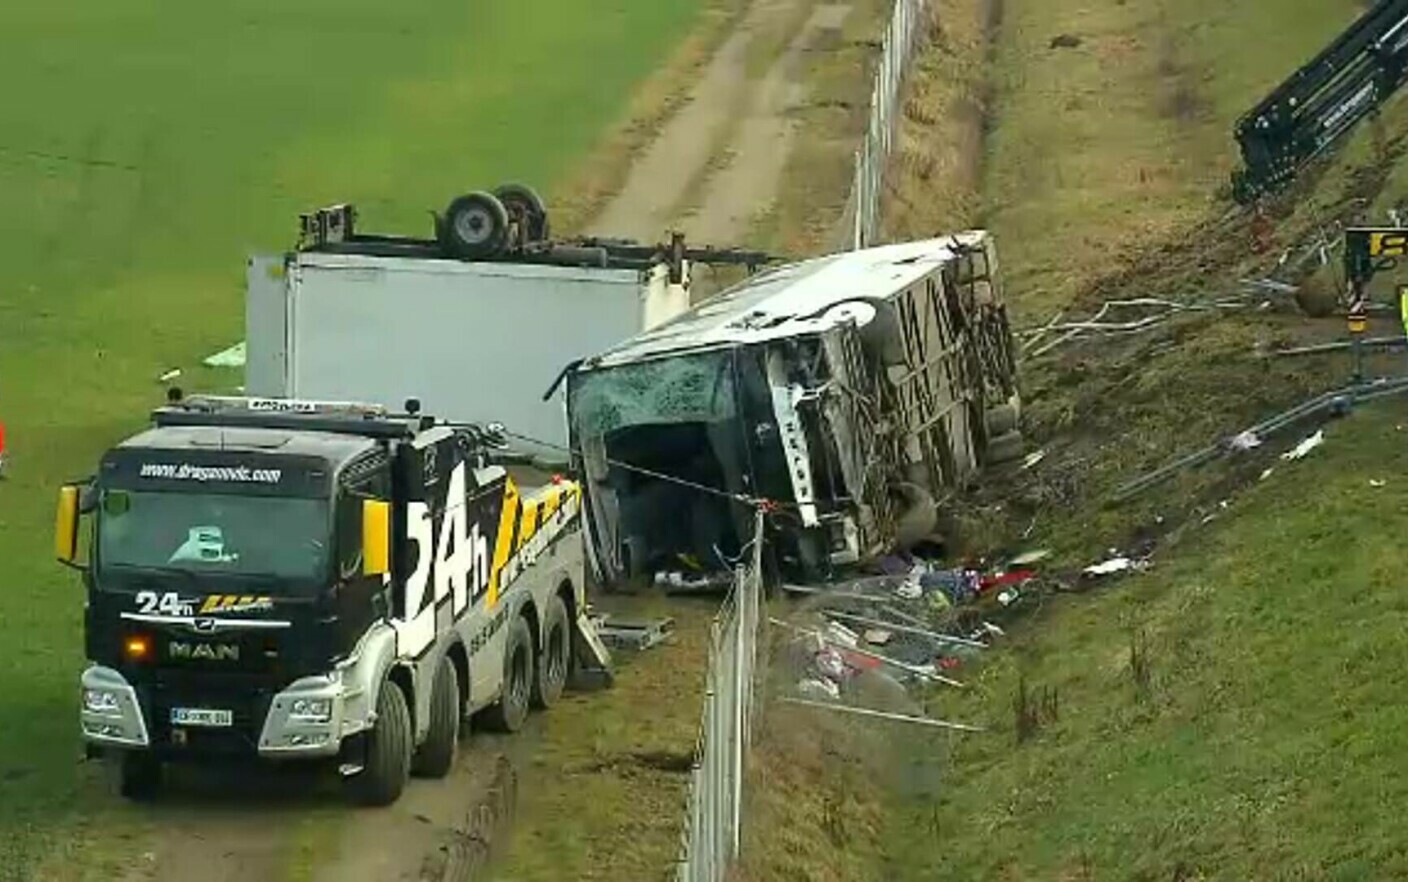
[(1322, 100)]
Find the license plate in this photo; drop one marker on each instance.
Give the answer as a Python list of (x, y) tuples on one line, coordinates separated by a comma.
[(201, 716)]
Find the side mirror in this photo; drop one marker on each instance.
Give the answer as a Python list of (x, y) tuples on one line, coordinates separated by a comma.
[(376, 537), (66, 526)]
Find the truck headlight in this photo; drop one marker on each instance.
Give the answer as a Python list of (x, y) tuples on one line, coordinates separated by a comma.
[(311, 710), (101, 701)]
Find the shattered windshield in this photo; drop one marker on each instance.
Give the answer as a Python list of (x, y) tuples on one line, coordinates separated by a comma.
[(212, 533), (694, 388)]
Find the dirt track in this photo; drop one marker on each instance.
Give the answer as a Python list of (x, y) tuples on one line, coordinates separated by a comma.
[(715, 166), (240, 827), (711, 171)]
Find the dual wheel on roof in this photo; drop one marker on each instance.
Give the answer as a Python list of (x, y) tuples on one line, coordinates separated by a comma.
[(483, 224)]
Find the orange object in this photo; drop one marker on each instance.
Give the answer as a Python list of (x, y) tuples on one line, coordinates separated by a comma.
[(137, 647)]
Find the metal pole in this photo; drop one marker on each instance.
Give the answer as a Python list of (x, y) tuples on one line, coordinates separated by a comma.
[(942, 638), (866, 712), (737, 795)]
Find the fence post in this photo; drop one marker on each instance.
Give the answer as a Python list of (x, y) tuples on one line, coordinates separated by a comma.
[(736, 797)]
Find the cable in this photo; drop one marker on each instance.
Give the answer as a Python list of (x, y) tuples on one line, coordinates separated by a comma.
[(754, 502)]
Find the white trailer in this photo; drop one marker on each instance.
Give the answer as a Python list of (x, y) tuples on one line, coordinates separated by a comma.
[(477, 324), (476, 342)]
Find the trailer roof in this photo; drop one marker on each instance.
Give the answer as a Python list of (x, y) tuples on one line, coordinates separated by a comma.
[(797, 298)]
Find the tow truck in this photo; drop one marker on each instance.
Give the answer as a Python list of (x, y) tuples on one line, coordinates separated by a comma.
[(278, 580)]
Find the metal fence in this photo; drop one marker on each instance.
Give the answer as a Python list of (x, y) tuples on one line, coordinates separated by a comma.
[(863, 206), (715, 808), (711, 839)]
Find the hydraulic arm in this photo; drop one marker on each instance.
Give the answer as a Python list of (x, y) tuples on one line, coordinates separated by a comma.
[(1322, 100)]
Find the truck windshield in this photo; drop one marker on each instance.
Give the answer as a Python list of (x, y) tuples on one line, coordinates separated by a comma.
[(275, 536)]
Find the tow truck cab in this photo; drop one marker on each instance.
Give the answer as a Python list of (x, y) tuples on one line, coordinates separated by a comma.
[(259, 571)]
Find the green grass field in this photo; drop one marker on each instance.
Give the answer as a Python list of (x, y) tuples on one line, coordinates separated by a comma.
[(1263, 733), (145, 149)]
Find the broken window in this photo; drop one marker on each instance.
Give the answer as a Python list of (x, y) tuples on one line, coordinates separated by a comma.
[(680, 389)]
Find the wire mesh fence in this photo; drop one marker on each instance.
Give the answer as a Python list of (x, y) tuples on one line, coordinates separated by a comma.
[(863, 206), (715, 807), (714, 816)]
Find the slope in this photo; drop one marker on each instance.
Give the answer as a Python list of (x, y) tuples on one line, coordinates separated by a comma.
[(1230, 714)]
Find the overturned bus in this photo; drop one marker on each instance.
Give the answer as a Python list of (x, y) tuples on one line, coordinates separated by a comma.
[(861, 392)]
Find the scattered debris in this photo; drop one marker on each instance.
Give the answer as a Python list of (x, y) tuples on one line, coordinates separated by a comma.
[(1304, 447), (1065, 41), (1246, 441), (677, 581), (1377, 482), (878, 637), (634, 635), (1163, 310), (1118, 564), (1334, 403), (1033, 458), (1030, 557)]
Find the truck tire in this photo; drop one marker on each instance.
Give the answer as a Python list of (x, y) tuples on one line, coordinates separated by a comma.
[(554, 662), (141, 776), (436, 757), (388, 758), (1005, 448), (475, 226), (524, 205), (508, 713)]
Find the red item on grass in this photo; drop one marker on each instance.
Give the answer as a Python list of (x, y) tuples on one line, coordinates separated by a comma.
[(1006, 579), (860, 662)]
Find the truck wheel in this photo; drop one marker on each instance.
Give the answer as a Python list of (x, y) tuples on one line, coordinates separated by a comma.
[(388, 757), (555, 660), (436, 756), (508, 713), (476, 226), (141, 776), (525, 206)]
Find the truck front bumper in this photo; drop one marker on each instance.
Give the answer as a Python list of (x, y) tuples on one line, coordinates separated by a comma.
[(308, 719), (111, 715)]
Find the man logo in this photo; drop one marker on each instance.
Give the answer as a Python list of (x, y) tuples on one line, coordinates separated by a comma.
[(222, 652)]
